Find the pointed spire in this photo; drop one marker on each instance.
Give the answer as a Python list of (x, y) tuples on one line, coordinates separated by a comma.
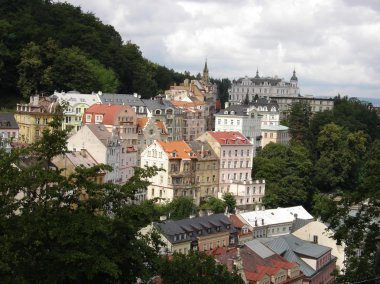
[(257, 73), (205, 73), (294, 77)]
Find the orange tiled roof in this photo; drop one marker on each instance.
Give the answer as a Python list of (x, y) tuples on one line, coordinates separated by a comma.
[(108, 111), (229, 137), (141, 122), (180, 147), (161, 125), (187, 104)]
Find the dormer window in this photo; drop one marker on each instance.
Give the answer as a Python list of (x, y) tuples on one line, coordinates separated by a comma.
[(174, 154), (232, 112), (225, 112)]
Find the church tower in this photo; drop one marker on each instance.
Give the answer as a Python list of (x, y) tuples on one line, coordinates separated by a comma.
[(205, 74), (294, 79)]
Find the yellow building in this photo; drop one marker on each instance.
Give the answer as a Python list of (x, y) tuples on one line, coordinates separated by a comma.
[(34, 117)]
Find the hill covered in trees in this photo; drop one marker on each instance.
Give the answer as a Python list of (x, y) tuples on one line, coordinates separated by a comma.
[(47, 46)]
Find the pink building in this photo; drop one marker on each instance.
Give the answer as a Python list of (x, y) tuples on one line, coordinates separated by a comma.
[(235, 154), (120, 121)]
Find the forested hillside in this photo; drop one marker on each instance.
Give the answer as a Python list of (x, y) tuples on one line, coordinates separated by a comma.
[(47, 46)]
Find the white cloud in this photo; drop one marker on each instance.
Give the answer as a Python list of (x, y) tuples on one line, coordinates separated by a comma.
[(333, 44)]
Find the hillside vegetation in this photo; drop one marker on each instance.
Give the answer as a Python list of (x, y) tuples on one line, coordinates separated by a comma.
[(47, 46)]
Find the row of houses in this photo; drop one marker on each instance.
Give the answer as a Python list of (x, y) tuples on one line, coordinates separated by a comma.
[(278, 256)]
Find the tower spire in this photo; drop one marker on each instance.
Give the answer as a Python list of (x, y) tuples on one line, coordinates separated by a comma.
[(257, 73), (205, 73)]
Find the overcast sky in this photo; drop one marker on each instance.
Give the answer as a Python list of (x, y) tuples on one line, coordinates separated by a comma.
[(334, 45)]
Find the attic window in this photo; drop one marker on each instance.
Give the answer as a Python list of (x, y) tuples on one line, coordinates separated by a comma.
[(232, 112), (174, 154), (226, 112)]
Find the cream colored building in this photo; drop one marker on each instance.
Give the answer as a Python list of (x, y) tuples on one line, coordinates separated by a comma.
[(274, 133), (33, 118), (317, 232)]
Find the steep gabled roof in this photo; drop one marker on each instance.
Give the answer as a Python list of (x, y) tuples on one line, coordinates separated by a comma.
[(181, 149), (8, 121)]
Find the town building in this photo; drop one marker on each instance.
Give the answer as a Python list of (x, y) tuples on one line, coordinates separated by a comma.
[(200, 233), (241, 118), (69, 161), (164, 111), (9, 129), (244, 234), (315, 261), (235, 154), (103, 145), (262, 87), (34, 117), (269, 110), (258, 264), (176, 158), (318, 233), (121, 121), (316, 104), (75, 104), (206, 170), (194, 121), (273, 222), (276, 134), (202, 90), (132, 100), (148, 130)]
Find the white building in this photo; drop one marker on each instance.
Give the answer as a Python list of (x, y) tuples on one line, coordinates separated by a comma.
[(176, 158), (77, 104), (262, 87), (241, 118), (103, 146), (273, 222)]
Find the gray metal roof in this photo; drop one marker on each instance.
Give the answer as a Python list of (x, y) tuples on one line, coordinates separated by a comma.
[(240, 110), (292, 248), (8, 121), (299, 223), (259, 248), (120, 99), (189, 228)]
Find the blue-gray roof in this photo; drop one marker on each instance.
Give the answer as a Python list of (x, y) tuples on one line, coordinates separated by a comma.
[(8, 121)]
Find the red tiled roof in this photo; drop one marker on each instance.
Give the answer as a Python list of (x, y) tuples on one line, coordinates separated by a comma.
[(236, 221), (180, 147), (230, 137), (109, 112)]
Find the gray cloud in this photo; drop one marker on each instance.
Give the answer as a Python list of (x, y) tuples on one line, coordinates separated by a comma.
[(332, 43)]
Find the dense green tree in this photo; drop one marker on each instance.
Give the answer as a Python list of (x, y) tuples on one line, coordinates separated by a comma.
[(339, 153), (223, 85), (287, 172), (214, 204), (196, 267), (49, 233), (299, 121), (181, 207), (353, 216), (119, 67), (230, 202)]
